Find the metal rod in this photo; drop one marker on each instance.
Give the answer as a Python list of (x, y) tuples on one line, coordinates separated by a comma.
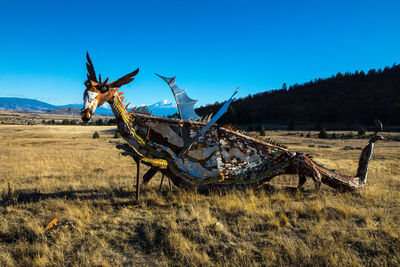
[(137, 181), (162, 180)]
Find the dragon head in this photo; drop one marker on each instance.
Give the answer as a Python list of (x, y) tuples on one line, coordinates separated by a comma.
[(98, 92)]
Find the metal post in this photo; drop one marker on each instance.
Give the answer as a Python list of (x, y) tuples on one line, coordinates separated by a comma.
[(162, 180), (138, 181)]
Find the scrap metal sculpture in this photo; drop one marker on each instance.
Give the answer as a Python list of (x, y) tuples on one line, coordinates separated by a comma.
[(195, 152)]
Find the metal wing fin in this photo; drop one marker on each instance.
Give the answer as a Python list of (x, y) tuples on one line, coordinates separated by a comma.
[(218, 115), (125, 79), (183, 101)]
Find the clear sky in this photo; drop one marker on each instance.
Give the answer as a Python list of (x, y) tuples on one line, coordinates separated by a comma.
[(211, 46)]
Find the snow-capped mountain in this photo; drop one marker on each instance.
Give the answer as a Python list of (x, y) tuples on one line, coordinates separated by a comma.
[(162, 108)]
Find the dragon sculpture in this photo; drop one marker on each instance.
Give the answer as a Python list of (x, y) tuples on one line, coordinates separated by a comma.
[(195, 152)]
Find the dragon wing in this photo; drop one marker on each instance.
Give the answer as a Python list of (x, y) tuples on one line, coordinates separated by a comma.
[(184, 102)]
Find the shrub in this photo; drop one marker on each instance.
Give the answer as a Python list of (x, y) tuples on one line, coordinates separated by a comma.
[(361, 131), (111, 122), (323, 134), (308, 135), (333, 136), (302, 135), (262, 131), (117, 135), (96, 135), (351, 135)]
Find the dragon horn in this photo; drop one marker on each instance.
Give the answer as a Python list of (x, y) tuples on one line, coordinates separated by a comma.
[(379, 125), (90, 68)]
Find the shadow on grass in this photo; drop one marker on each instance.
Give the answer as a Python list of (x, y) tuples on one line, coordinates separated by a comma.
[(33, 196), (268, 188)]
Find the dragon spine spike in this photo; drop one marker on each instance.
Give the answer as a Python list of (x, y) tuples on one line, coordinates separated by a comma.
[(121, 93), (209, 116), (140, 110)]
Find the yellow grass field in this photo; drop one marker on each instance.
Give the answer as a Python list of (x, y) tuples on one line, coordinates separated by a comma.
[(61, 172)]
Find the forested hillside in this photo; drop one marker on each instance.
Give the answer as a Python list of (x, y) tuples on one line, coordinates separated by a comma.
[(344, 98)]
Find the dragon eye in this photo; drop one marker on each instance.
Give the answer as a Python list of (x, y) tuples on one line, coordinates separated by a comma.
[(104, 88)]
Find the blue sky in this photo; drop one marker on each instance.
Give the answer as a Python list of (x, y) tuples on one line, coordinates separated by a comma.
[(211, 46)]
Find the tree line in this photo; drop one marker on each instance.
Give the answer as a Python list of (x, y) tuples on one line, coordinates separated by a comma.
[(98, 122), (343, 98)]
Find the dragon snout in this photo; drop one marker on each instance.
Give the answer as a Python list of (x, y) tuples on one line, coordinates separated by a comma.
[(86, 115)]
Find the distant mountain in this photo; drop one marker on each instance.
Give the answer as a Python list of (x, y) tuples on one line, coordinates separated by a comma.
[(99, 110), (24, 104), (162, 108), (65, 111)]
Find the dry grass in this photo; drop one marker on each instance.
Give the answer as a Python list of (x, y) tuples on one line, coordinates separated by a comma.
[(60, 172)]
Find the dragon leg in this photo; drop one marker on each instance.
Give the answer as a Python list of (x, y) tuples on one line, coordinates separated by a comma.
[(316, 176), (302, 180), (149, 174), (305, 167), (317, 181)]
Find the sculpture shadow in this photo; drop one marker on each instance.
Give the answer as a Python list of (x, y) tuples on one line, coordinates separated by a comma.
[(268, 188), (116, 195), (33, 196)]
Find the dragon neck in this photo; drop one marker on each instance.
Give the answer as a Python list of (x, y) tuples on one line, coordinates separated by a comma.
[(121, 115)]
